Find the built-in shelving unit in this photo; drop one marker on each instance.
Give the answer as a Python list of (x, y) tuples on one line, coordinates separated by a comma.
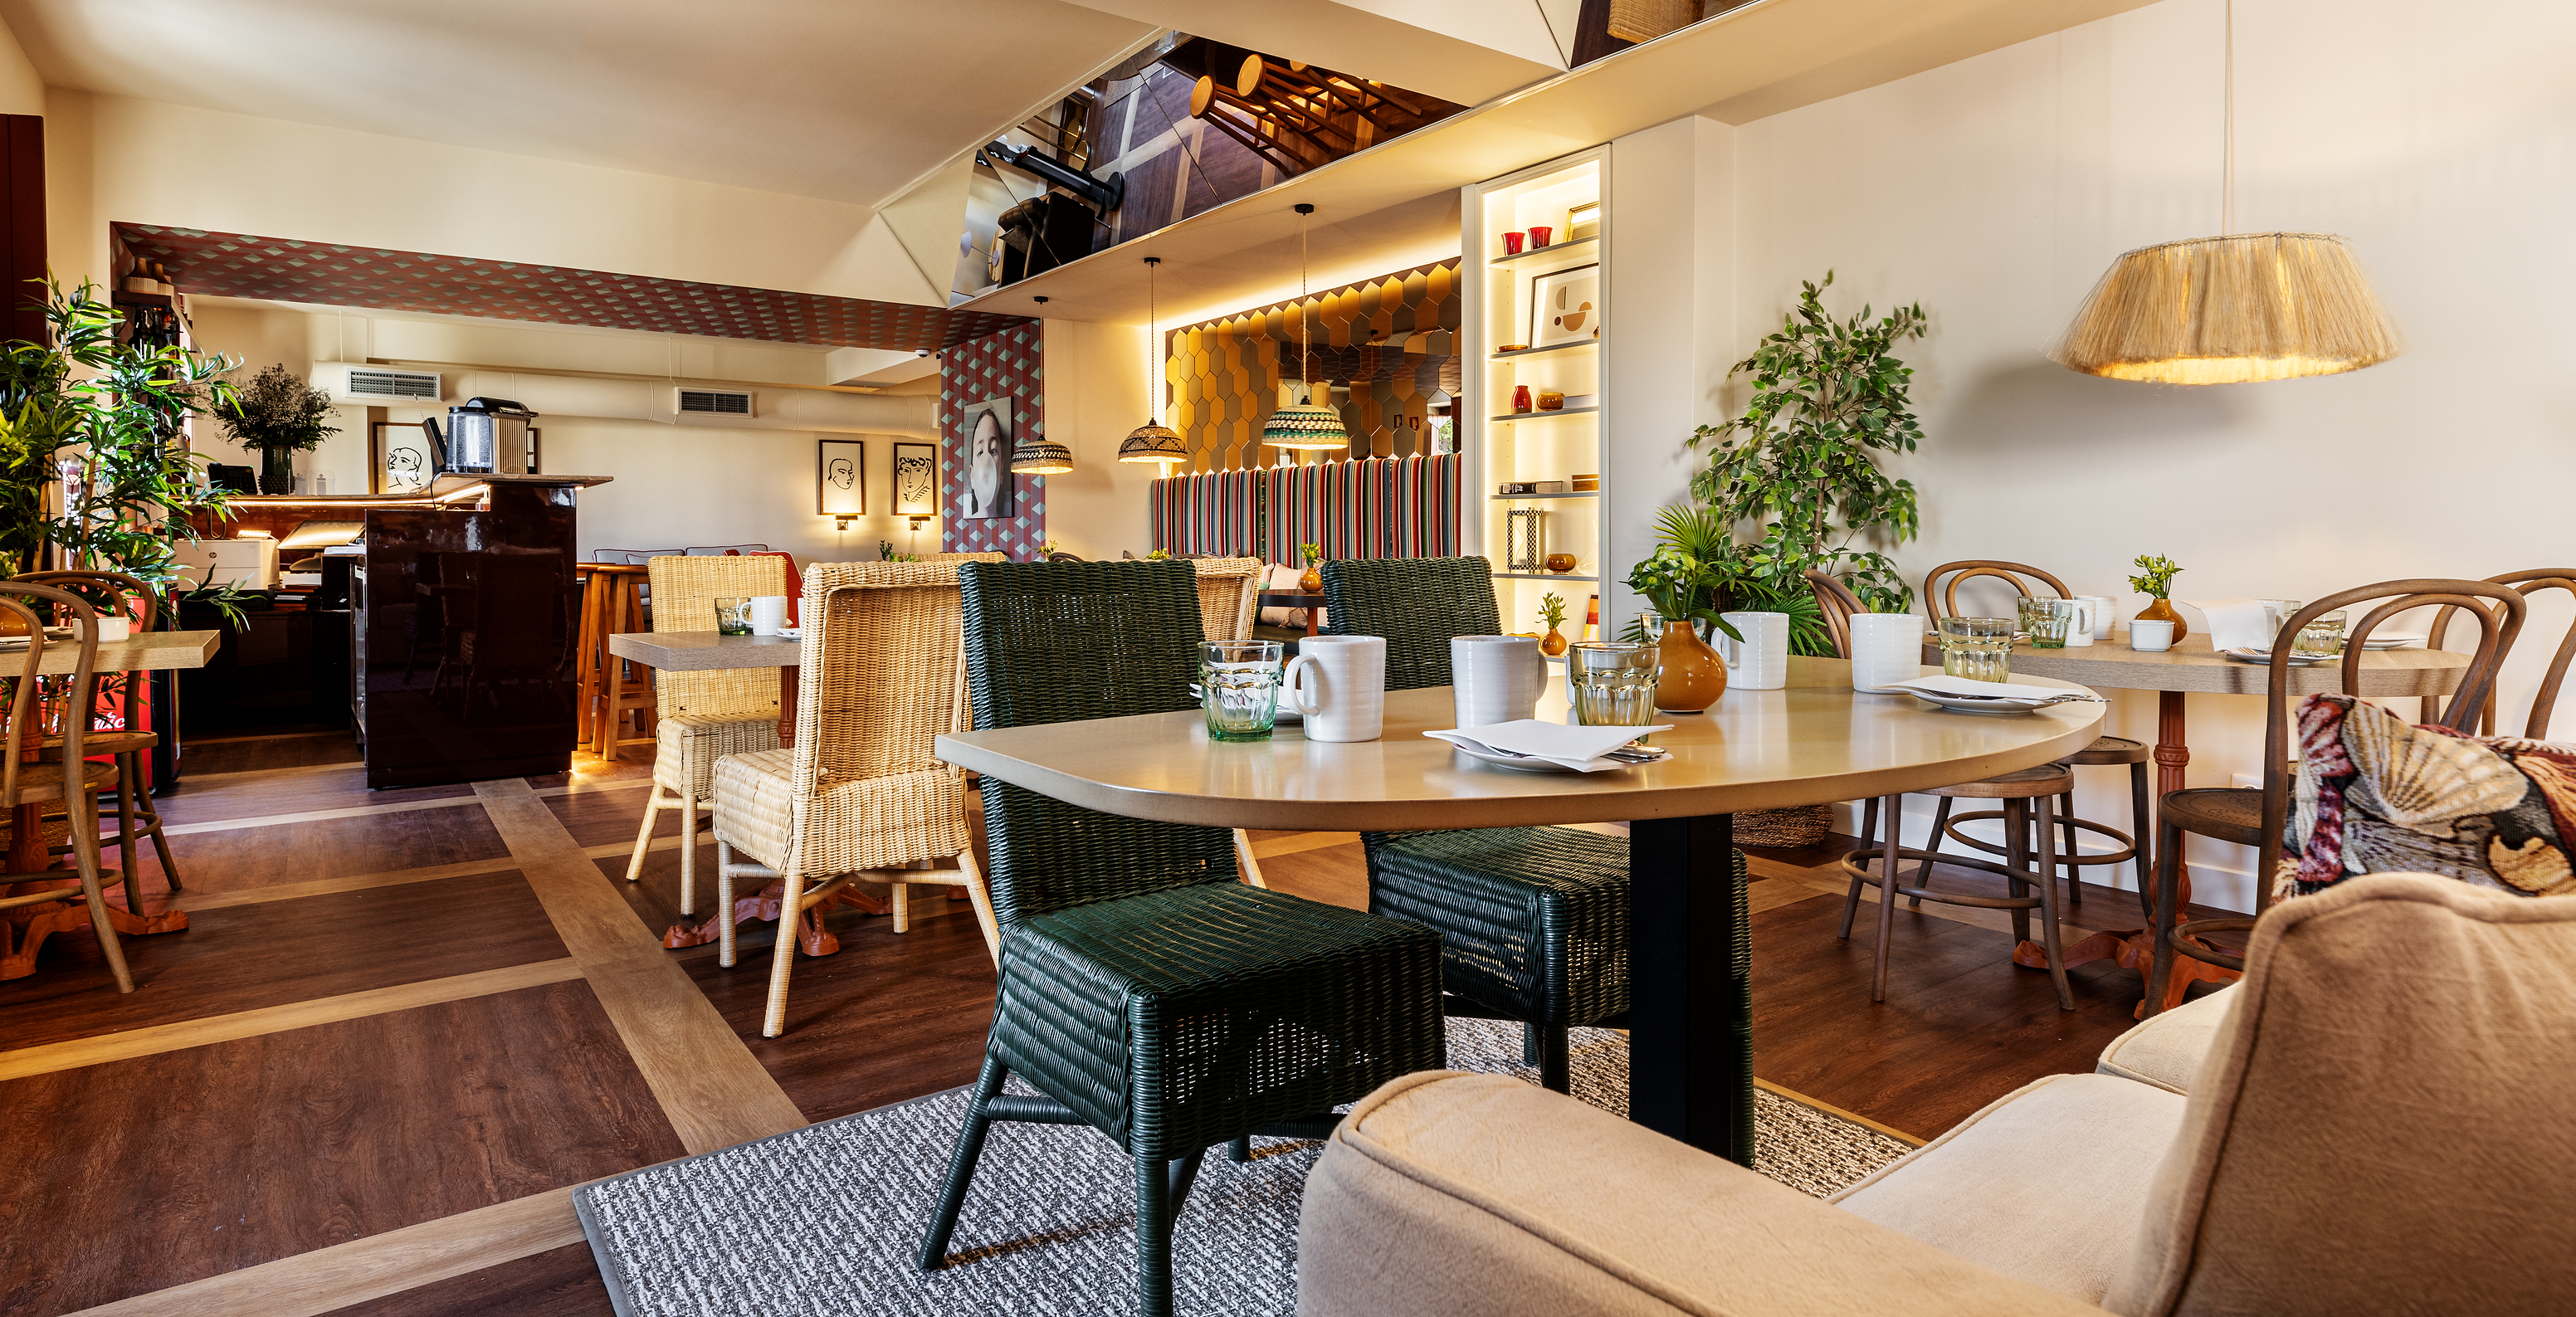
[(1505, 446)]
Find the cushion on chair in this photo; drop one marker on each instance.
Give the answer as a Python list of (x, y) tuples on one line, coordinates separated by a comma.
[(1511, 905), (1445, 1194), (2386, 1122), (687, 745), (866, 823), (2166, 1050)]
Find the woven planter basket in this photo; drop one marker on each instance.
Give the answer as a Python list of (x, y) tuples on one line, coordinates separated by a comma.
[(1798, 825)]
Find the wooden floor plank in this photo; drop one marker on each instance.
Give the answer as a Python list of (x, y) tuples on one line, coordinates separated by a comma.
[(559, 1282), (193, 900), (283, 854), (313, 816), (290, 791)]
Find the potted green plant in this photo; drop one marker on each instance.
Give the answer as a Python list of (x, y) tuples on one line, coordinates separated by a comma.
[(2155, 581), (277, 416)]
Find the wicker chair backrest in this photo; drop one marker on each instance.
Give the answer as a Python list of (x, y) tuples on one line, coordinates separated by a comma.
[(1063, 642), (880, 672), (684, 593), (1229, 596), (966, 557), (1418, 604)]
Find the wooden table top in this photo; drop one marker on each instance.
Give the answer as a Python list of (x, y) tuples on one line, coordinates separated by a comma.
[(144, 651), (2191, 665), (704, 651), (1813, 742)]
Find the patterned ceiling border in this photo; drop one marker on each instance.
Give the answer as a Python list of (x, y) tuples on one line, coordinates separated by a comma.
[(385, 279)]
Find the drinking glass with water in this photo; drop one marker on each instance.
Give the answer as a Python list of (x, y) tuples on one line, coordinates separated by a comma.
[(1239, 688), (1978, 648), (1614, 683)]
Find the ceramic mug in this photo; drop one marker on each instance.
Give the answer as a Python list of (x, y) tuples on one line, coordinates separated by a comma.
[(1512, 244), (1539, 234), (113, 628), (2150, 636), (2105, 612), (1760, 662), (1497, 678), (2079, 629), (768, 614), (1886, 648), (1338, 683)]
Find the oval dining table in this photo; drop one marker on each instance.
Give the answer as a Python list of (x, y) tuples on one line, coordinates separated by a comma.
[(1689, 958)]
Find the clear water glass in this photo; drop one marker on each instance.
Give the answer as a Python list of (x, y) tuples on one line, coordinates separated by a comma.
[(1979, 648), (2276, 612), (1239, 687), (2322, 636), (733, 617), (2046, 621), (1613, 683)]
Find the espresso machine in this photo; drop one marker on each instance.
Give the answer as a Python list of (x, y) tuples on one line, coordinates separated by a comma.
[(485, 436)]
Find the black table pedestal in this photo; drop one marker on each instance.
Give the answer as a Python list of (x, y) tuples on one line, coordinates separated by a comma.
[(1690, 995)]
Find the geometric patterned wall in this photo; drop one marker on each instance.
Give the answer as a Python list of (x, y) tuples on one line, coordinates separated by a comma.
[(1390, 340), (1007, 364)]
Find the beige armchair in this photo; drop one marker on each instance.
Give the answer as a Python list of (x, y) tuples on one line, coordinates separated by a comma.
[(2367, 1132)]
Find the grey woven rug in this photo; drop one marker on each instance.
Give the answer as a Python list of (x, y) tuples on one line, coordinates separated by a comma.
[(823, 1220)]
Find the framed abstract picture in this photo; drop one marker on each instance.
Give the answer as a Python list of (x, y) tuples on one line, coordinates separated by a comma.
[(916, 480), (987, 425), (1565, 306), (841, 477)]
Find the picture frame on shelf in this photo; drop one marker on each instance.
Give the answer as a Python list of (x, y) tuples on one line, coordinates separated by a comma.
[(1565, 306), (916, 480), (1583, 222), (841, 477)]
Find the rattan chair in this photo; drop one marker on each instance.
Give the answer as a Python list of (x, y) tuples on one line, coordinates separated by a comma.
[(703, 716), (2250, 817), (1533, 922), (861, 794), (119, 595), (1145, 992), (71, 781)]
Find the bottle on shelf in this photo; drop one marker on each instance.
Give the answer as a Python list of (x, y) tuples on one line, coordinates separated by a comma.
[(1520, 398)]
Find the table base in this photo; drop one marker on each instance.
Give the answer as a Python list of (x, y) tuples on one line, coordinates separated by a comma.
[(23, 931), (764, 905), (2135, 949), (1690, 986)]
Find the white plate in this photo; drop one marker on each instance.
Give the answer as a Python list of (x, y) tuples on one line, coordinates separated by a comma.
[(1523, 765), (2252, 655), (791, 633), (2393, 639), (1962, 704)]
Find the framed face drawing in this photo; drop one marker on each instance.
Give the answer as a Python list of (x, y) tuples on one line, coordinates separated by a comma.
[(1565, 306), (841, 477), (988, 459), (402, 462), (916, 480)]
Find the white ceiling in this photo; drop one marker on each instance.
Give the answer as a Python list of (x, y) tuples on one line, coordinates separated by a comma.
[(849, 100)]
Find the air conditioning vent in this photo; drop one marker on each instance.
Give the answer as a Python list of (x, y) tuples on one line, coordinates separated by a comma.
[(418, 385), (715, 402)]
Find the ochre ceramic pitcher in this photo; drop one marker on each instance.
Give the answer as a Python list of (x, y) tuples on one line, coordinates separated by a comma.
[(1694, 677)]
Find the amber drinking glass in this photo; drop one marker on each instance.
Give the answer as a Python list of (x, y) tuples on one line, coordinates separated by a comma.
[(1979, 648)]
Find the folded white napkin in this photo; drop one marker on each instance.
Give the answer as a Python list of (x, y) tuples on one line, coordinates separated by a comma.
[(2235, 623), (2005, 691), (1578, 748)]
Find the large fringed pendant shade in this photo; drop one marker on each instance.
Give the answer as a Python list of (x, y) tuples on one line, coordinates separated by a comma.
[(2232, 310), (1151, 442), (1306, 424)]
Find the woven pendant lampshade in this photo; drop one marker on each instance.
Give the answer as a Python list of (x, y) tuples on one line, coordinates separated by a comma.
[(1037, 457), (2231, 310), (1152, 442), (1305, 424)]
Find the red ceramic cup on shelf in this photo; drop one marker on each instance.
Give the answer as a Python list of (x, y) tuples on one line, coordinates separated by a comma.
[(1512, 244), (1539, 234)]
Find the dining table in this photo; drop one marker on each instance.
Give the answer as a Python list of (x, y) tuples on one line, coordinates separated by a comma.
[(2192, 666), (143, 651), (1690, 966)]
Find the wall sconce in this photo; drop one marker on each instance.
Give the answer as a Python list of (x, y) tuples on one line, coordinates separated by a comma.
[(919, 520), (841, 521)]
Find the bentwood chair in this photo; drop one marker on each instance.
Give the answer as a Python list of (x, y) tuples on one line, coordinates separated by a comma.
[(1533, 922), (703, 716), (1229, 600), (860, 795), (71, 781), (2544, 700), (115, 594), (2249, 817), (1144, 991)]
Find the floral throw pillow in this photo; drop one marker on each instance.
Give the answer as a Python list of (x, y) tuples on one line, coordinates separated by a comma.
[(2376, 794)]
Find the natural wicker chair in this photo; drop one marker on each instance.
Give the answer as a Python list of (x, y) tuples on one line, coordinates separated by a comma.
[(118, 595), (860, 795), (1533, 922), (703, 716), (1229, 600), (71, 781), (1144, 991)]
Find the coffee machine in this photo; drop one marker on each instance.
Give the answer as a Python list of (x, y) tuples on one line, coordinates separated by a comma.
[(485, 436)]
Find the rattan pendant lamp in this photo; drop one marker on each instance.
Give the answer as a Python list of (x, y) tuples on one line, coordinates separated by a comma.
[(2233, 309), (1037, 455), (1151, 442), (1304, 424)]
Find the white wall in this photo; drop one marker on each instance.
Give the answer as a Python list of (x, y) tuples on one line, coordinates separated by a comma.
[(2440, 139), (22, 89), (1095, 394)]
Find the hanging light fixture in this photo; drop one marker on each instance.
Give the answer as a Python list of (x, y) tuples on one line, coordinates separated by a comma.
[(1038, 456), (1151, 442), (2232, 309), (1304, 424)]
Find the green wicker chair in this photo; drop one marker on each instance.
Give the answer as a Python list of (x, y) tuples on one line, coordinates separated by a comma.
[(1533, 921), (1144, 990)]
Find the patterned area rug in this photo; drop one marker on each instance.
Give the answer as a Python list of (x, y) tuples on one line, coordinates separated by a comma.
[(823, 1220)]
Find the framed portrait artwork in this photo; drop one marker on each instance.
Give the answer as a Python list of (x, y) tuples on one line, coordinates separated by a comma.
[(1565, 306), (987, 426), (916, 480), (841, 477), (399, 460)]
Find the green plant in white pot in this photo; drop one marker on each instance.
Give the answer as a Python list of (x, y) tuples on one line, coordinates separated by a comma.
[(277, 416)]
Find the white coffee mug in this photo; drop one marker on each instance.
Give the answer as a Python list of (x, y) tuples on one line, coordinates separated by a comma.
[(1339, 684), (768, 614), (2079, 629), (2106, 610), (1497, 678), (2150, 637), (1759, 662), (1886, 648)]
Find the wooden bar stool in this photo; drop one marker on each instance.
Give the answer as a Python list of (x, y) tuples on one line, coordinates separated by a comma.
[(611, 688), (115, 594), (2017, 792)]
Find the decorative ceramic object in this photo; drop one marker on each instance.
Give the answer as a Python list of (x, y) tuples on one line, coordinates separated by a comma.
[(2160, 610), (1539, 235), (1551, 400), (1313, 581), (1560, 563), (1694, 677), (1551, 610), (2155, 580), (1512, 244), (1520, 398)]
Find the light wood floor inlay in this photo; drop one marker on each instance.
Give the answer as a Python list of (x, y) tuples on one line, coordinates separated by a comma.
[(315, 816)]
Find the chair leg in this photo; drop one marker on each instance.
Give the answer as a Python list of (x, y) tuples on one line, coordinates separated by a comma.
[(150, 814), (724, 904), (1245, 862), (644, 838), (1851, 897), (1888, 858), (2074, 871), (2160, 971), (2017, 859), (687, 803), (982, 895), (1529, 1042), (83, 808), (791, 921), (1940, 829), (125, 847), (2141, 822), (1160, 1187), (1555, 1066), (2048, 908), (961, 1166), (1239, 1151), (899, 897), (1868, 822)]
